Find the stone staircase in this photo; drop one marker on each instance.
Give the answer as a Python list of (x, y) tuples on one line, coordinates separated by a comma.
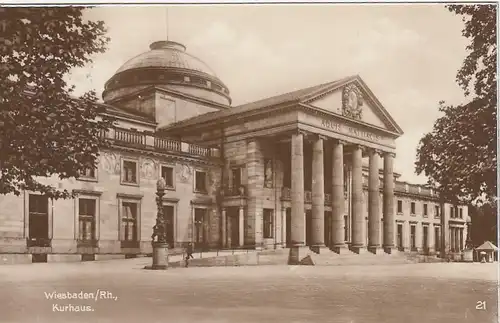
[(307, 257)]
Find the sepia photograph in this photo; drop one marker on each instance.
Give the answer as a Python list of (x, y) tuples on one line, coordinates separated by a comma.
[(248, 162)]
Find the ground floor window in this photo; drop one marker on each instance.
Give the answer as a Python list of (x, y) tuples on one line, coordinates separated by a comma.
[(129, 221), (413, 240), (169, 215), (346, 228), (437, 239), (268, 224), (400, 236), (86, 219)]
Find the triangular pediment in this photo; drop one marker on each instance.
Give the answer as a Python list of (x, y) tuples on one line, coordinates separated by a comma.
[(353, 100)]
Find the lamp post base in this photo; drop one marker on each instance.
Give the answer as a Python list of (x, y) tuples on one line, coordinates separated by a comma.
[(160, 256)]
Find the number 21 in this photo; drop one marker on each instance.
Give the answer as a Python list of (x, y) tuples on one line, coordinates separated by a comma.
[(481, 305)]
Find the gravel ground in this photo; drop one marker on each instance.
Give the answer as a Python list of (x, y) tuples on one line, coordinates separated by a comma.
[(439, 292)]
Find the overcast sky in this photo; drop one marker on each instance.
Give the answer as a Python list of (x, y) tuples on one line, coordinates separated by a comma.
[(407, 54)]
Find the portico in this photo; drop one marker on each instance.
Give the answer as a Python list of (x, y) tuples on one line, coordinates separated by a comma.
[(318, 139)]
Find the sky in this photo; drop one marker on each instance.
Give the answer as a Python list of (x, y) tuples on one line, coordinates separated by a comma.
[(408, 55)]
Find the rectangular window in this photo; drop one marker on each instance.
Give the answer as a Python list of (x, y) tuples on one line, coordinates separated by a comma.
[(425, 210), (413, 241), (86, 220), (89, 173), (346, 228), (129, 221), (168, 214), (38, 217), (129, 172), (400, 236), (436, 211), (236, 174), (167, 173), (412, 210), (437, 239), (201, 182), (268, 224), (461, 213), (400, 206), (451, 212)]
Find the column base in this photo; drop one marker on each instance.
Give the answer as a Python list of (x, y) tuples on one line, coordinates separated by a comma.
[(297, 253), (358, 249), (340, 249), (375, 249), (390, 250), (319, 249)]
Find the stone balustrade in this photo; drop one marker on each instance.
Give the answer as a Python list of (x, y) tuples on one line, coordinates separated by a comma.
[(148, 140)]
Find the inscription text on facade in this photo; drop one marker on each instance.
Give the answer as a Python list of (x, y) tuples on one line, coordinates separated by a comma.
[(349, 130)]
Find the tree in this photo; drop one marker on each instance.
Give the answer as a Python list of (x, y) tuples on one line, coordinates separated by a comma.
[(459, 155), (44, 130)]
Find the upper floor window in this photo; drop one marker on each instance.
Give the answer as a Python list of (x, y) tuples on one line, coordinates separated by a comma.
[(400, 206), (425, 210), (89, 173), (436, 211), (412, 206), (200, 182), (236, 176), (461, 213), (452, 215), (129, 172), (167, 173)]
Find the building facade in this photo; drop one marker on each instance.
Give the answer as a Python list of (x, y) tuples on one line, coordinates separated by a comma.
[(312, 168)]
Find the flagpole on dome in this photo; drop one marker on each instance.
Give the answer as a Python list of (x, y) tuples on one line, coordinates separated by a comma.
[(166, 21)]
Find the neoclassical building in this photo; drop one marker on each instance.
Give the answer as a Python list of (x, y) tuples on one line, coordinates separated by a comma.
[(313, 167)]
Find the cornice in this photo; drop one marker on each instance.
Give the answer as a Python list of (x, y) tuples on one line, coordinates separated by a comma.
[(152, 88)]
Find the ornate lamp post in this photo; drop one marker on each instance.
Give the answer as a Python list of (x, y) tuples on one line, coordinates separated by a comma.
[(159, 236)]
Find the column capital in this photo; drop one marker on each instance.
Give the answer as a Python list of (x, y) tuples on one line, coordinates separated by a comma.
[(375, 151), (388, 154), (300, 132), (339, 141), (320, 137)]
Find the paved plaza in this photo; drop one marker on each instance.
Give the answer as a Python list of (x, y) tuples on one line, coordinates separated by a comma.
[(439, 292)]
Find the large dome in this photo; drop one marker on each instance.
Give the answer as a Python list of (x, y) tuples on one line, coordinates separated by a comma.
[(167, 63)]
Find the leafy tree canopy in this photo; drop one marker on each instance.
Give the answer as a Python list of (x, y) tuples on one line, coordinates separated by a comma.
[(44, 130), (459, 155)]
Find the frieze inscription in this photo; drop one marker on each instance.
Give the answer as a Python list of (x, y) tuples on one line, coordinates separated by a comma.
[(337, 127)]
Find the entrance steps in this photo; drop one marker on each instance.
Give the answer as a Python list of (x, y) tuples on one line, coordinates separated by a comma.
[(306, 257)]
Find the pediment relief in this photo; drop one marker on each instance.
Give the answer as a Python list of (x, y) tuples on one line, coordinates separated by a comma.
[(354, 101)]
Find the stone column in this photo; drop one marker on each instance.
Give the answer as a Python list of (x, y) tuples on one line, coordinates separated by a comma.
[(224, 228), (338, 201), (318, 196), (358, 220), (241, 223), (373, 203), (297, 190), (283, 226), (388, 202)]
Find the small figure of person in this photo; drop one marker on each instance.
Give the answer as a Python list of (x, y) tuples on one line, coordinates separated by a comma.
[(189, 253)]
